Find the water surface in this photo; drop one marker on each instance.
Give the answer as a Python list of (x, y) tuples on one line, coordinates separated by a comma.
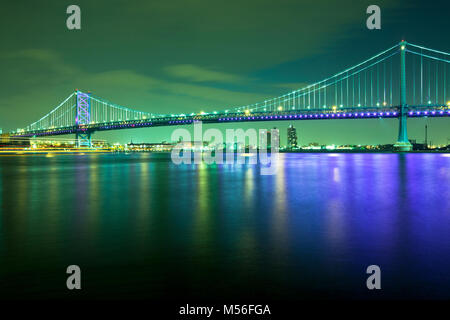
[(141, 227)]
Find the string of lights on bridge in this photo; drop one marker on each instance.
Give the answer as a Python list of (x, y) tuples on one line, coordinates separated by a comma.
[(368, 89)]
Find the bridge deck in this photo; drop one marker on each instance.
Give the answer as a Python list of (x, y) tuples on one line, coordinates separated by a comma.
[(316, 114)]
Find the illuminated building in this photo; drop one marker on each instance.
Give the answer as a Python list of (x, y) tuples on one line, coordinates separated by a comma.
[(292, 137)]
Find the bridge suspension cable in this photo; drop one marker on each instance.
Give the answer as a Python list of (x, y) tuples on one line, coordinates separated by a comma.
[(432, 77), (103, 111), (61, 116), (373, 83), (341, 90)]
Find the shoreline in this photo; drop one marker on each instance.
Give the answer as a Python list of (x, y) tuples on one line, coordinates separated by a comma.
[(86, 152)]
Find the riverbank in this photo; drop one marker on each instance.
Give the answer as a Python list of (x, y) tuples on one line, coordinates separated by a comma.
[(94, 151), (366, 151), (10, 152)]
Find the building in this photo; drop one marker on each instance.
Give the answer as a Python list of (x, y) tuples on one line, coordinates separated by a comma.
[(152, 147), (275, 139), (5, 138), (292, 137)]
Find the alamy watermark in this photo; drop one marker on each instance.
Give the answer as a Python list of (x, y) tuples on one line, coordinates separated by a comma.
[(74, 280), (237, 147), (374, 20), (73, 21), (374, 280)]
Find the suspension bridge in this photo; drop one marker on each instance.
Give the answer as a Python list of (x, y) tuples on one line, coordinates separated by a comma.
[(406, 80)]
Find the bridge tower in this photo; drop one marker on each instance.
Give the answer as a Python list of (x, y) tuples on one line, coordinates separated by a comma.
[(403, 143), (82, 118)]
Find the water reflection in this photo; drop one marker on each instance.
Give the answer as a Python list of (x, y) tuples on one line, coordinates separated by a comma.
[(225, 228), (145, 201), (279, 194), (94, 199)]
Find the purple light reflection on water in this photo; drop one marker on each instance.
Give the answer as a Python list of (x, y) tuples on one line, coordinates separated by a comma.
[(385, 209), (310, 230)]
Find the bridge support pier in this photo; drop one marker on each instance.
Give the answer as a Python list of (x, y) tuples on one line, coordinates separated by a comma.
[(84, 139), (82, 118), (403, 143)]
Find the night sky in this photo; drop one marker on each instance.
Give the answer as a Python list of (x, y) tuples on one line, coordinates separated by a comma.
[(177, 56)]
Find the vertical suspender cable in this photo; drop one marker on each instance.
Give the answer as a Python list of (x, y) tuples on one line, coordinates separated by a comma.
[(384, 82), (414, 81), (429, 81), (390, 91), (421, 78), (437, 85)]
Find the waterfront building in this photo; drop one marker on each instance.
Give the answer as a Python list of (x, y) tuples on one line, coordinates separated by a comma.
[(292, 137)]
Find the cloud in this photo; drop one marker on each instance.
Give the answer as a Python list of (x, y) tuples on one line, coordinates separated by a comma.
[(199, 74), (236, 36), (241, 36), (45, 58), (163, 55), (292, 85), (53, 77)]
